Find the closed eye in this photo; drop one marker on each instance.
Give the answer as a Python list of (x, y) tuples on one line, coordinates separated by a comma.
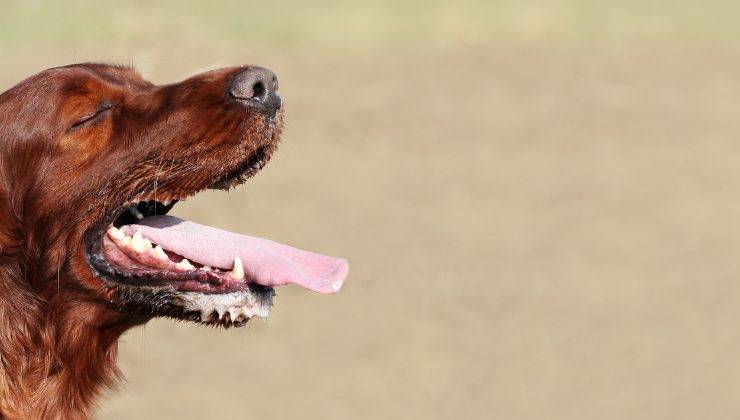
[(93, 116)]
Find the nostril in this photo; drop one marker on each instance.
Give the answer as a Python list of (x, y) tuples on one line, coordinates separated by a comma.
[(258, 91)]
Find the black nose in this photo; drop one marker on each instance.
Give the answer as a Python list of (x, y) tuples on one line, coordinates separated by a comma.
[(256, 86)]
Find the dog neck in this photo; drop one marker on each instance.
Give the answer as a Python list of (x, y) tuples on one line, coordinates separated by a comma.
[(57, 352)]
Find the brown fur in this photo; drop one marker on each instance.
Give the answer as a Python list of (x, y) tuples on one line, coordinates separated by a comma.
[(59, 323)]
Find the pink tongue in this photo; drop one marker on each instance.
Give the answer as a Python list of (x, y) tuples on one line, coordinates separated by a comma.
[(265, 262)]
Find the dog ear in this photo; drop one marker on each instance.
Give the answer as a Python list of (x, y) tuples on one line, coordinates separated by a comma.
[(9, 233)]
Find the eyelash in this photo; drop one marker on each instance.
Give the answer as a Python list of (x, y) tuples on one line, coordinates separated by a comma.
[(91, 117)]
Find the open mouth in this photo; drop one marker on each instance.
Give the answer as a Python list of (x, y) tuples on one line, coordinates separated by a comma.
[(207, 274)]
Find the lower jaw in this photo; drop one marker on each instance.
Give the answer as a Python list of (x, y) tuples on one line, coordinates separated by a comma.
[(224, 309)]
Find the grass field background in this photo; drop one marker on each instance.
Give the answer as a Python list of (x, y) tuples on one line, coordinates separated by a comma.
[(538, 199)]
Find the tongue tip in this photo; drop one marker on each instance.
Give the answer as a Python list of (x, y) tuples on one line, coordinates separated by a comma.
[(337, 277)]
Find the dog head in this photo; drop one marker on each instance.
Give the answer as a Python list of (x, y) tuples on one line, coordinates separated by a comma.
[(92, 157)]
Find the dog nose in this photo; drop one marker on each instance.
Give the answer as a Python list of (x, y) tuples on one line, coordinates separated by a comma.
[(256, 86)]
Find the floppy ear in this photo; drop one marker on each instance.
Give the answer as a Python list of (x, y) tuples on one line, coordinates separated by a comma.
[(20, 309), (25, 150), (16, 128), (21, 162), (9, 240), (9, 232)]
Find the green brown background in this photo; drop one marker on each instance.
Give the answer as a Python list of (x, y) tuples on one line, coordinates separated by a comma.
[(539, 201)]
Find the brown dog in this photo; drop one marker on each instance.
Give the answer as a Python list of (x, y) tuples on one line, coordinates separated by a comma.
[(92, 157)]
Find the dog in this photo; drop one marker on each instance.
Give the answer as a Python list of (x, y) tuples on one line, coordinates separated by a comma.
[(92, 158)]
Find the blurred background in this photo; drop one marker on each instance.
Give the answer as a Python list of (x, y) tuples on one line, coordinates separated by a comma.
[(538, 199)]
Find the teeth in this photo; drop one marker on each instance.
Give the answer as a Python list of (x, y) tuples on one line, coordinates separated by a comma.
[(237, 272), (126, 240), (185, 265), (116, 233), (205, 268), (158, 253), (138, 243)]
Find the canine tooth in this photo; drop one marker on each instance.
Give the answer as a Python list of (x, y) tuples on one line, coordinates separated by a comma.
[(138, 243), (205, 268), (126, 240), (158, 252), (184, 265), (237, 272), (115, 233)]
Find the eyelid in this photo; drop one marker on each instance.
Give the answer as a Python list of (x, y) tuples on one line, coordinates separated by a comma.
[(103, 108)]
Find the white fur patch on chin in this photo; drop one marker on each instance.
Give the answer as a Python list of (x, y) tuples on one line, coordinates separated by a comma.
[(239, 305)]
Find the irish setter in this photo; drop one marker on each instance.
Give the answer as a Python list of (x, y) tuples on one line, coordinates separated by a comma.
[(92, 157)]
